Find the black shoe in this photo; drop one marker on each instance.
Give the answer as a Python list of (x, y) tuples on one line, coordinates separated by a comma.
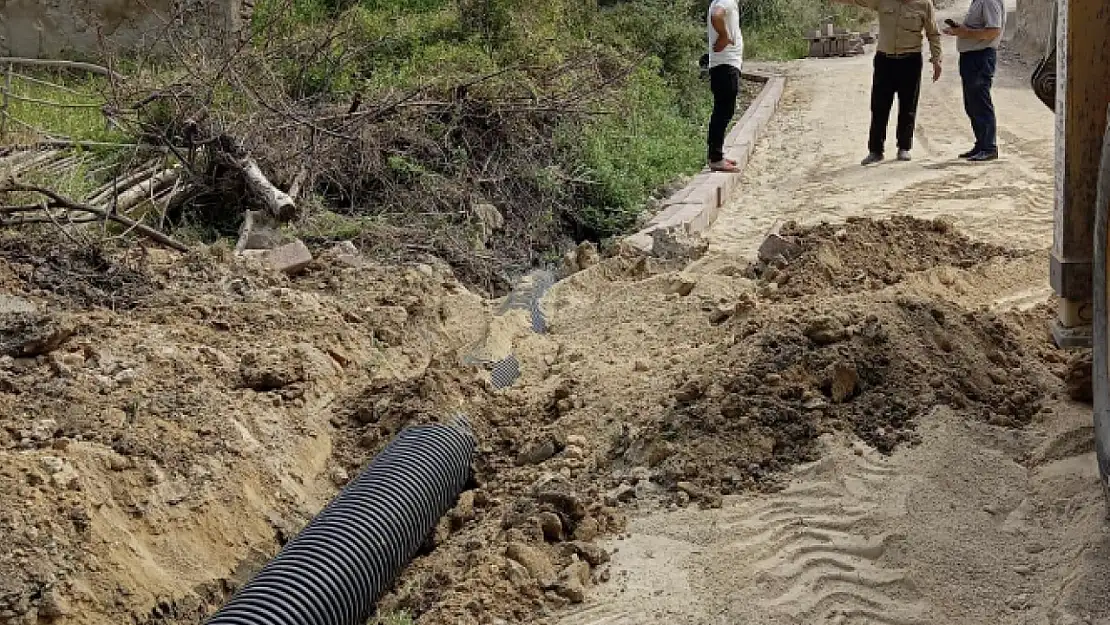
[(970, 153), (872, 158), (983, 156)]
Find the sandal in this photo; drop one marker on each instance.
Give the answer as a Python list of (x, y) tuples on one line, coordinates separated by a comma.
[(727, 166)]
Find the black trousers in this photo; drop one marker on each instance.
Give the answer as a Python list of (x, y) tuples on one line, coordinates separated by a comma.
[(977, 73), (724, 82), (899, 75)]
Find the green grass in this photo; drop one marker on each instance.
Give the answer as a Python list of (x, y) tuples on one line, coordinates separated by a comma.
[(325, 224), (631, 154), (71, 110), (771, 43), (74, 182), (655, 131)]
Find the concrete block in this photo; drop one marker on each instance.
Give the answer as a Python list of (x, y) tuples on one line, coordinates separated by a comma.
[(290, 259), (1074, 313), (670, 209), (641, 241), (694, 208), (741, 153), (727, 184), (345, 253), (738, 132), (702, 195), (1079, 337), (681, 194), (698, 217)]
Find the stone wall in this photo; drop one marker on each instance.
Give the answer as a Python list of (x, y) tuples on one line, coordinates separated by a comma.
[(92, 28), (1034, 25)]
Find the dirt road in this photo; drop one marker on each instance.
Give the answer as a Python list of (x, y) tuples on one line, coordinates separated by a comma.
[(977, 524), (873, 432), (807, 167)]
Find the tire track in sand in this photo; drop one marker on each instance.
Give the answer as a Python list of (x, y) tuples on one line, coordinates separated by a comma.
[(812, 553), (807, 553)]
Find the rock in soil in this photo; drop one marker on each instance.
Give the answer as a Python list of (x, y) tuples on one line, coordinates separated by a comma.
[(843, 379), (573, 581), (26, 331), (826, 330), (551, 525), (534, 560)]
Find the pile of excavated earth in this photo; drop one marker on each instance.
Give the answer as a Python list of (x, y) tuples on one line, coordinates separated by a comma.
[(167, 422)]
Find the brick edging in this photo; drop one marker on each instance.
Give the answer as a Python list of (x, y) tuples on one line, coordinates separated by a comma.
[(695, 207)]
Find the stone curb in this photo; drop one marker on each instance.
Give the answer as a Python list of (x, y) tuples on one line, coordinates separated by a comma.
[(695, 207)]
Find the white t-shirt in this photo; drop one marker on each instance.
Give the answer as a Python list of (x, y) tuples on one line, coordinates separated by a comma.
[(733, 54)]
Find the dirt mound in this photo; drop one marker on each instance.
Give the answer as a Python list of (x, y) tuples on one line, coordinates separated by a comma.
[(866, 254), (84, 275), (870, 366), (151, 460), (154, 458), (1078, 377)]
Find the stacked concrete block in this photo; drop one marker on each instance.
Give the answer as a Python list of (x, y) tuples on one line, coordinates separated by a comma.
[(832, 41)]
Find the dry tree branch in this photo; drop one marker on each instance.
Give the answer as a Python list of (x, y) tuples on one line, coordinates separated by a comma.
[(61, 105), (54, 220), (60, 201), (20, 208), (88, 67), (47, 83), (26, 220)]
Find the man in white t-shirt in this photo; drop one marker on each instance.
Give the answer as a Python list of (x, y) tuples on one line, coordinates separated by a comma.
[(726, 55)]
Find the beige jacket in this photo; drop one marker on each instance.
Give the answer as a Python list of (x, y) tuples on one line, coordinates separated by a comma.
[(901, 23)]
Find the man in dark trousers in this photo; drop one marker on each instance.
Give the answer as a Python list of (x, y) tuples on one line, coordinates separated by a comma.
[(898, 65), (726, 55), (977, 40)]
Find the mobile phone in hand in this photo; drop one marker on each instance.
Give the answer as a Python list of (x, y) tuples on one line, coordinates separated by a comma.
[(951, 23)]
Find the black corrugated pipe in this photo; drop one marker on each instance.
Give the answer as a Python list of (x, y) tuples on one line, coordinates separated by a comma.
[(335, 570)]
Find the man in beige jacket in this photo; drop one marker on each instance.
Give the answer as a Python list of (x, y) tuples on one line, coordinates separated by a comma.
[(898, 65)]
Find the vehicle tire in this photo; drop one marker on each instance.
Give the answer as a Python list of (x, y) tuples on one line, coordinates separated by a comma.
[(1100, 374)]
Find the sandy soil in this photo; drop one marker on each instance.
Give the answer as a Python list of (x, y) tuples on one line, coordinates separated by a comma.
[(970, 520), (873, 431), (974, 525)]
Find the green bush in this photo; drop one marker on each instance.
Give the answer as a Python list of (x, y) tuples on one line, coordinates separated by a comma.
[(648, 141), (635, 59)]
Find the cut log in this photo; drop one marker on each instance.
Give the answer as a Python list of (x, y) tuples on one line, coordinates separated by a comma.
[(60, 201), (145, 189), (277, 202), (245, 232), (104, 192)]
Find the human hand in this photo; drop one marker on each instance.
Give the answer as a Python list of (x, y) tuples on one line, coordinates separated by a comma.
[(936, 71), (721, 44), (955, 31)]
